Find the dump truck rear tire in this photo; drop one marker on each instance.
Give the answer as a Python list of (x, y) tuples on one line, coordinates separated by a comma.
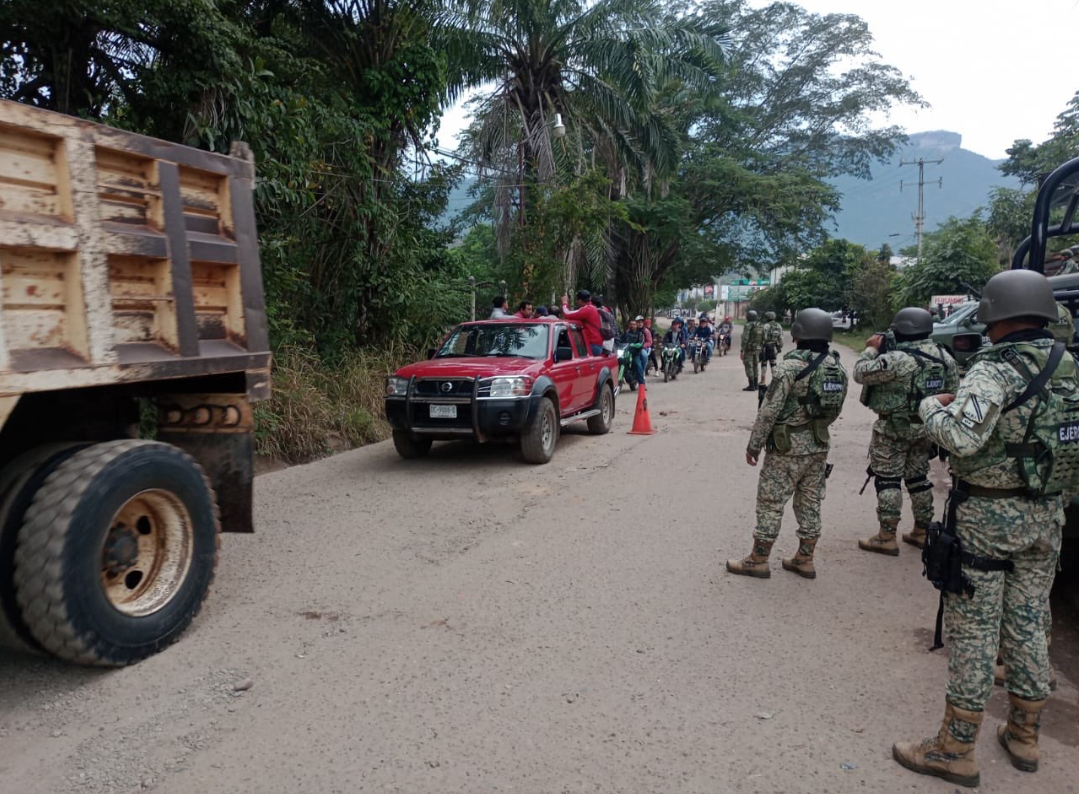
[(116, 553)]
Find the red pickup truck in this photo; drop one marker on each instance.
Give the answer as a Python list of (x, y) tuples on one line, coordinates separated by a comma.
[(498, 378)]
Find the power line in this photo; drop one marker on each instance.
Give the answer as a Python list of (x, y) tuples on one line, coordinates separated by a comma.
[(919, 219)]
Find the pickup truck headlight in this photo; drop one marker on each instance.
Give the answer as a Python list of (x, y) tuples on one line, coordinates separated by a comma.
[(511, 387), (396, 387)]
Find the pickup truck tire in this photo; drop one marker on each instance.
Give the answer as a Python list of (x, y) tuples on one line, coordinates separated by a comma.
[(540, 437), (117, 552), (600, 424), (19, 481), (408, 447)]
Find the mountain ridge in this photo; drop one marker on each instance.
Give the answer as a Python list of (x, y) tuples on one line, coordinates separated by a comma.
[(881, 209)]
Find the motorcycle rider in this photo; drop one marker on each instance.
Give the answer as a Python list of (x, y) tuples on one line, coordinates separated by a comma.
[(705, 333), (652, 362), (723, 333), (634, 337), (677, 336)]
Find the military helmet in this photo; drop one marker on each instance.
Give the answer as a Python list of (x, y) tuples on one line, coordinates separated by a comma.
[(912, 321), (751, 315), (812, 325), (769, 316), (1016, 293)]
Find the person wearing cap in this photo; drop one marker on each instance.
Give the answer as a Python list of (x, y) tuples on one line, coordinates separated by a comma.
[(705, 333), (588, 316), (1008, 519), (893, 384)]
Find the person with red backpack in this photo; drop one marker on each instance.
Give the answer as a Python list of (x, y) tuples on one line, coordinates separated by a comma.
[(588, 316)]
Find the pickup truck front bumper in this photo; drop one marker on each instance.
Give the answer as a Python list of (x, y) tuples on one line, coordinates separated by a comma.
[(476, 416)]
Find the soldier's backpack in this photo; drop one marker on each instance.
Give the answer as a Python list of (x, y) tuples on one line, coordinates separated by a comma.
[(930, 378), (1048, 455), (607, 327), (827, 387)]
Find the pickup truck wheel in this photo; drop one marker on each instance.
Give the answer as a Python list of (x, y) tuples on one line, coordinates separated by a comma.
[(600, 424), (19, 481), (117, 552), (539, 439), (408, 447)]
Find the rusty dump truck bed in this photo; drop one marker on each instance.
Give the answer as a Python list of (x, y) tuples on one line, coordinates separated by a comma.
[(123, 259)]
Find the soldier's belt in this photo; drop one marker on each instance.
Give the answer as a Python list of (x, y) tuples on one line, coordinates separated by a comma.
[(991, 493)]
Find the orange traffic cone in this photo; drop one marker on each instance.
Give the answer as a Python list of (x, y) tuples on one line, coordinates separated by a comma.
[(642, 422)]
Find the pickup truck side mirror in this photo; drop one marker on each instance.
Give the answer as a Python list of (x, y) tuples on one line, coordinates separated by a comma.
[(563, 354), (966, 343)]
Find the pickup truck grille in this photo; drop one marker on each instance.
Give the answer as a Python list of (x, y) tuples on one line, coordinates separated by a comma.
[(448, 387)]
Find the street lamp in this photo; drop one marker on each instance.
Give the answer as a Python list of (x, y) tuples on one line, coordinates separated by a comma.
[(558, 128)]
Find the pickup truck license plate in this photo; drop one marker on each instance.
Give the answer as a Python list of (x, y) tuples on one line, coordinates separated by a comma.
[(443, 411)]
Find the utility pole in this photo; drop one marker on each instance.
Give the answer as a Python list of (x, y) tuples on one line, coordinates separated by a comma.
[(919, 219)]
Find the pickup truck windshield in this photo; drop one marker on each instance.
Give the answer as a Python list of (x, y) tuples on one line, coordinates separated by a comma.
[(501, 340), (959, 314)]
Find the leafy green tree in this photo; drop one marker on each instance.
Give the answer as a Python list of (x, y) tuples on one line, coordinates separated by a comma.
[(1031, 162), (958, 258), (794, 107), (600, 67)]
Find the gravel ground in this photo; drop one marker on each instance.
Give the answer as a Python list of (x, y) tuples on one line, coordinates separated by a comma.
[(469, 623)]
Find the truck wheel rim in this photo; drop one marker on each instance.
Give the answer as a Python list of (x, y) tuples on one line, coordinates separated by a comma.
[(547, 431), (147, 553), (606, 407)]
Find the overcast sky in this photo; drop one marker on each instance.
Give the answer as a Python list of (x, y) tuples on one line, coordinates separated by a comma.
[(992, 70)]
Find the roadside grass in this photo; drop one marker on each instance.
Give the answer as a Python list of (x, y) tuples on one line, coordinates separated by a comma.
[(855, 340), (318, 409)]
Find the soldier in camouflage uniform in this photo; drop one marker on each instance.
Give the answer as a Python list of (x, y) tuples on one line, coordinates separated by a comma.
[(752, 340), (1063, 329), (893, 383), (805, 397), (771, 346), (998, 521)]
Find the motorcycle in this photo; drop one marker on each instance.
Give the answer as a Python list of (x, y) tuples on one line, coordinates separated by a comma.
[(700, 355), (626, 372), (669, 357), (724, 344)]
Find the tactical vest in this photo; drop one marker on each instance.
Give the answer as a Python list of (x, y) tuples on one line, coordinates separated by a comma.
[(816, 397), (901, 398), (1039, 429)]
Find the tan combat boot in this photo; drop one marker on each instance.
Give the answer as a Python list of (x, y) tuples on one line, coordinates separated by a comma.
[(916, 537), (756, 564), (1019, 736), (802, 562), (944, 755), (884, 541)]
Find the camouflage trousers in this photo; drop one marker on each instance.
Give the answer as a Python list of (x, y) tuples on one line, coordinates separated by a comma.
[(752, 365), (897, 460), (1011, 608), (784, 476)]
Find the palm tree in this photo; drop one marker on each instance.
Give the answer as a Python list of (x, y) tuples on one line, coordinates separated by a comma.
[(601, 68)]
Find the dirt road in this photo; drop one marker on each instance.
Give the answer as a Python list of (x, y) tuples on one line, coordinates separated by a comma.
[(469, 623)]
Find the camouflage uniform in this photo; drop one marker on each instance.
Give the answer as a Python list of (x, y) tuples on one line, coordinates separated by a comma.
[(772, 345), (1063, 329), (899, 449), (1011, 606), (799, 471), (752, 341)]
